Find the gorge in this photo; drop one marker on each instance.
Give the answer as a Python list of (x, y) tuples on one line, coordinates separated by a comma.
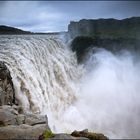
[(91, 82)]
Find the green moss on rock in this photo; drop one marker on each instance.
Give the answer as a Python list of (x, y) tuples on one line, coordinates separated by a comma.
[(48, 134), (89, 135)]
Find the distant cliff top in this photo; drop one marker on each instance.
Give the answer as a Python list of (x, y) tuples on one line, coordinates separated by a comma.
[(7, 30), (12, 30), (106, 28)]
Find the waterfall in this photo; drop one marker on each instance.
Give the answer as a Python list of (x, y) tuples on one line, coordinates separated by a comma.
[(44, 73), (101, 95)]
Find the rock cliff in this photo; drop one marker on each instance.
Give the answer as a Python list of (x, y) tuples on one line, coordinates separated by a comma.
[(111, 34), (106, 28), (7, 94)]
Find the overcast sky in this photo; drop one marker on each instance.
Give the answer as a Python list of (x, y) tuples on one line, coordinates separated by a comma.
[(44, 16)]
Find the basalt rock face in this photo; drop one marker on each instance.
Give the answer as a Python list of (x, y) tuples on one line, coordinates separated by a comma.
[(7, 94), (111, 34), (106, 28), (83, 45)]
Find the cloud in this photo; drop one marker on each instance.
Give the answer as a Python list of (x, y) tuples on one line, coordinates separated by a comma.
[(56, 15), (29, 15)]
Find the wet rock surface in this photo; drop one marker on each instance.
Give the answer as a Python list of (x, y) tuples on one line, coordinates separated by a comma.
[(84, 46), (7, 94)]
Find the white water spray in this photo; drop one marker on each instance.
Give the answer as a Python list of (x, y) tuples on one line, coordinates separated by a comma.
[(103, 96), (110, 93)]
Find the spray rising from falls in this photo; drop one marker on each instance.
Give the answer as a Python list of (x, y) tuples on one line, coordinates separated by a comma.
[(102, 96), (110, 94)]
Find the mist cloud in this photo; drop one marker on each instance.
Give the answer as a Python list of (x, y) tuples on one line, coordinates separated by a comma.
[(109, 96)]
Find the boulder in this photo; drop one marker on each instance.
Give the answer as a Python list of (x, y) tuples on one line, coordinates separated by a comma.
[(7, 116), (34, 119), (63, 136), (22, 131), (14, 125), (89, 135), (11, 115), (81, 135), (20, 119)]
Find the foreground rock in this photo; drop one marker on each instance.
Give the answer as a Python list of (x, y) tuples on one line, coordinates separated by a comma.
[(14, 124), (22, 131), (81, 135), (8, 116), (64, 136), (89, 135), (7, 94)]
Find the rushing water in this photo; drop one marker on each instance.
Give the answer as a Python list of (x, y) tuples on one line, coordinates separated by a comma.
[(103, 95)]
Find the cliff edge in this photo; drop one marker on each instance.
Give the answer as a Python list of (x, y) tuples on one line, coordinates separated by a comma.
[(106, 28)]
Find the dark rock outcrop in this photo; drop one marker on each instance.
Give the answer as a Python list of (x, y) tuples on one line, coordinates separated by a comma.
[(89, 135), (63, 136), (7, 93), (111, 34), (106, 28), (82, 45)]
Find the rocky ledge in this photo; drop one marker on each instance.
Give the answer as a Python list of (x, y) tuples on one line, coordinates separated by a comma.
[(80, 135), (14, 124)]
